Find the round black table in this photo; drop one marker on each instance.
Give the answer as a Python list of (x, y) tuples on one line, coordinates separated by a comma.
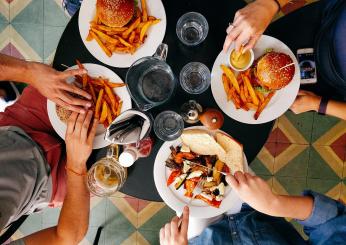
[(140, 182)]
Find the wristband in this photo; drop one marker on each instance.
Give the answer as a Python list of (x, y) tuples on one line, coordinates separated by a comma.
[(75, 172), (278, 3), (323, 106)]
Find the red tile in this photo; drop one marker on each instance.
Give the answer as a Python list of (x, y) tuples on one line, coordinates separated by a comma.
[(281, 147), (281, 137), (271, 147), (133, 202), (142, 204), (6, 50), (15, 52), (341, 141), (273, 136), (340, 151)]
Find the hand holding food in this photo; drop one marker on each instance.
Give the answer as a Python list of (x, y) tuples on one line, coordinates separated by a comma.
[(306, 101), (79, 139), (119, 26), (52, 84), (253, 190), (105, 103), (249, 24), (170, 234)]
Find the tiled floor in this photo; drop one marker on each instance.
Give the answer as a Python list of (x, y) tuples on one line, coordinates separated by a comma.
[(304, 151)]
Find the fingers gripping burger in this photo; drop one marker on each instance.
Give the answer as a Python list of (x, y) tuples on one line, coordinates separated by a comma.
[(274, 70), (115, 13)]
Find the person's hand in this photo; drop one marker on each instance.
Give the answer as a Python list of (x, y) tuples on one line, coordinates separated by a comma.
[(170, 233), (79, 140), (52, 84), (254, 191), (306, 101), (249, 24)]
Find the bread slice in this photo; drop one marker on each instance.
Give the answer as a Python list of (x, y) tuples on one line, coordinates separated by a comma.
[(202, 143), (234, 152)]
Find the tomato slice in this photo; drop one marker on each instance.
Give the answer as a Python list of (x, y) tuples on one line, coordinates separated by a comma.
[(173, 176), (226, 169), (212, 203)]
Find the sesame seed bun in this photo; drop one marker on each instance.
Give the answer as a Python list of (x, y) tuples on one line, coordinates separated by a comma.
[(63, 113), (115, 13), (268, 73)]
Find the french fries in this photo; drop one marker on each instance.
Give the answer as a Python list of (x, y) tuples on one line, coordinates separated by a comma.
[(125, 39), (107, 104), (242, 93)]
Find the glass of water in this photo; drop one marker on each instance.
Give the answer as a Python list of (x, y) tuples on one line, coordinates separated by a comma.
[(168, 125), (192, 28), (195, 78)]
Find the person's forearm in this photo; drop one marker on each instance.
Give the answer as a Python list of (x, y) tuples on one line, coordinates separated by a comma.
[(13, 69), (74, 217), (296, 207), (336, 109)]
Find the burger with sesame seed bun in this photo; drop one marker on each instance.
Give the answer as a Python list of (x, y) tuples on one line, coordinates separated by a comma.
[(274, 70), (115, 13)]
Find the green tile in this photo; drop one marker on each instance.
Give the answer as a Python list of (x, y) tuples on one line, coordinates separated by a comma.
[(153, 237), (32, 224), (318, 168), (50, 216), (98, 214), (321, 185), (51, 39), (297, 167), (294, 186), (265, 177), (54, 14), (31, 14), (3, 25), (33, 35), (115, 236), (115, 219), (3, 19), (159, 219), (302, 122), (259, 168), (321, 125)]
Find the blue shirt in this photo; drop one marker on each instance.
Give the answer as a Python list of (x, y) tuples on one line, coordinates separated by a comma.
[(326, 225)]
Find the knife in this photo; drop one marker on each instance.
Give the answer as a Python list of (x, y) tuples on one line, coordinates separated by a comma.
[(188, 162)]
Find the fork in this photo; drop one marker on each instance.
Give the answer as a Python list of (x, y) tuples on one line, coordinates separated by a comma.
[(198, 188)]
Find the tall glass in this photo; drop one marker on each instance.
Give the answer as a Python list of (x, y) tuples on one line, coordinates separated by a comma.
[(106, 176), (168, 125), (195, 78)]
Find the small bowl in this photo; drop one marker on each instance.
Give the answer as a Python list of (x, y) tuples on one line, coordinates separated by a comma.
[(252, 58)]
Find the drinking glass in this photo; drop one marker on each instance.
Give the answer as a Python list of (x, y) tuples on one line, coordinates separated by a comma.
[(168, 125), (195, 78), (192, 28), (106, 176)]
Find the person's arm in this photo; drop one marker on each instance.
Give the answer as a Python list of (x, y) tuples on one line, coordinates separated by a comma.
[(49, 82), (74, 217), (250, 22), (308, 101), (257, 193)]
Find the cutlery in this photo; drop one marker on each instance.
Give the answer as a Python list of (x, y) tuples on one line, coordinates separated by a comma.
[(213, 169)]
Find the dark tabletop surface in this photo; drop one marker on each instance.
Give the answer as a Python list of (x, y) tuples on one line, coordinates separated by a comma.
[(140, 182)]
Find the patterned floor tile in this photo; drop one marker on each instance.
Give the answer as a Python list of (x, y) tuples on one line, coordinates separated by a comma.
[(343, 193), (51, 39), (326, 129), (50, 216), (154, 216), (331, 188), (118, 236), (26, 11), (273, 135), (32, 224), (120, 213), (4, 11), (98, 208), (293, 161), (149, 237), (90, 237), (289, 185), (264, 162), (5, 47), (54, 14), (294, 128), (324, 163)]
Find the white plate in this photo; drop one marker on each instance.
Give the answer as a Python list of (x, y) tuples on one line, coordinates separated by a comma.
[(155, 34), (278, 105), (175, 199), (94, 70)]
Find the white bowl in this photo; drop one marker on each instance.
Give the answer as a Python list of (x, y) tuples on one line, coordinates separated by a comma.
[(252, 58)]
